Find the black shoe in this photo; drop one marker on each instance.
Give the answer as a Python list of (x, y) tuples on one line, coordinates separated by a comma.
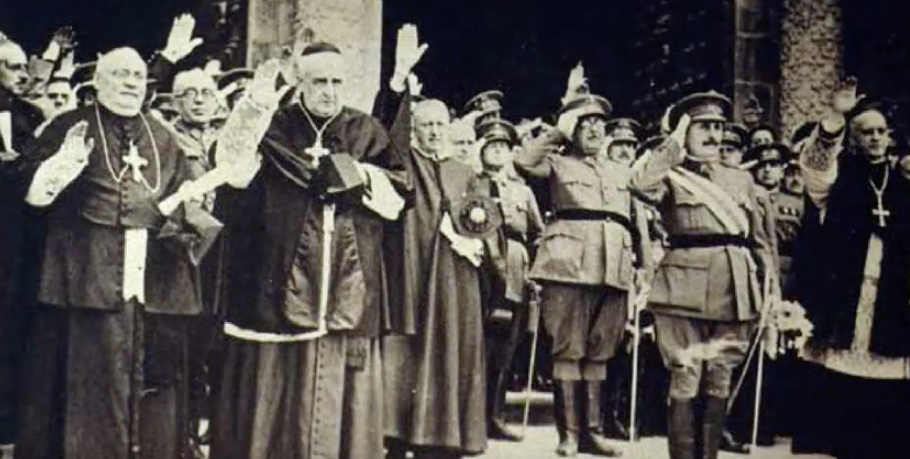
[(729, 444), (499, 430), (617, 430)]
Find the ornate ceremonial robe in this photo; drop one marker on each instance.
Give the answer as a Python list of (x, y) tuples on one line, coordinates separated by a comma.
[(114, 287), (853, 282), (284, 396)]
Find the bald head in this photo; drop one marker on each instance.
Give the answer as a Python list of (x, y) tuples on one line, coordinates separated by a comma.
[(431, 126), (870, 133), (121, 77), (322, 82), (13, 68)]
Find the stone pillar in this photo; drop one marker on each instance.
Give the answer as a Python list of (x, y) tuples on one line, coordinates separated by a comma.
[(354, 25), (811, 59), (756, 62)]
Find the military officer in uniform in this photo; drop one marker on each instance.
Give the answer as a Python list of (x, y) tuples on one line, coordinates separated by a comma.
[(585, 264), (484, 107), (731, 149), (522, 228), (770, 168), (621, 147), (622, 144), (707, 291)]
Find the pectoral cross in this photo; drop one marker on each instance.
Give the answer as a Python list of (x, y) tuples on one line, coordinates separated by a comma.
[(880, 211), (135, 162), (317, 151)]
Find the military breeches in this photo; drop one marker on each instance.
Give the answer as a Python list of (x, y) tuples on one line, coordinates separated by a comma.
[(701, 354), (585, 324)]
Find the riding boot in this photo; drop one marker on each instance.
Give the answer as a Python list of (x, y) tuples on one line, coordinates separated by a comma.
[(592, 438), (715, 413), (498, 428), (681, 429), (566, 410)]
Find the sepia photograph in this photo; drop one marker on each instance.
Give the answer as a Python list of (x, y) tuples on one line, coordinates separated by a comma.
[(450, 229)]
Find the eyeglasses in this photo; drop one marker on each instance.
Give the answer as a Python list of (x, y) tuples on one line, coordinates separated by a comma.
[(56, 96), (14, 67), (592, 122), (193, 93)]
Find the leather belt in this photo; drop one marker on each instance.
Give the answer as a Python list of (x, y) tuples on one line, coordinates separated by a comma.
[(710, 240), (594, 215)]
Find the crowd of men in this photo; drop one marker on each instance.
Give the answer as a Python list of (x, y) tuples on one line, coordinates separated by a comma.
[(236, 258)]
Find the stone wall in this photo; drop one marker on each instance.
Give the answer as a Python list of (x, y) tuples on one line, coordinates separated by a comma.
[(756, 62), (354, 25), (811, 59)]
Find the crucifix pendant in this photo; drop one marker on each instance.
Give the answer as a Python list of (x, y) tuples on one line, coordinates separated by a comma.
[(316, 151), (880, 212), (135, 162)]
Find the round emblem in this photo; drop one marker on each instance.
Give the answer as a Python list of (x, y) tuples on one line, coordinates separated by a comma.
[(476, 216)]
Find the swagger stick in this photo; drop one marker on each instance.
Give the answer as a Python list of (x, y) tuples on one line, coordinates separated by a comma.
[(754, 346), (636, 340), (758, 389), (533, 325)]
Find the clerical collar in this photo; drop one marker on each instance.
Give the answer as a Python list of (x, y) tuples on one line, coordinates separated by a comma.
[(438, 157), (108, 114)]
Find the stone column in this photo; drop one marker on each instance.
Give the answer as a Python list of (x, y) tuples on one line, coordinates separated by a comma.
[(354, 25), (756, 62), (811, 59)]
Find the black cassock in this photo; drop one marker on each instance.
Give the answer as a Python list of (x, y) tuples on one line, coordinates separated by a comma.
[(855, 385), (105, 375)]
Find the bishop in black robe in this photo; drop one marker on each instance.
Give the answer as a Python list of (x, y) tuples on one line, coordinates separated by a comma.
[(855, 278)]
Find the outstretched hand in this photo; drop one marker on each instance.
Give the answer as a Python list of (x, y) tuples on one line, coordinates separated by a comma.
[(845, 97), (75, 147), (263, 89), (408, 50), (65, 37), (577, 83), (180, 42)]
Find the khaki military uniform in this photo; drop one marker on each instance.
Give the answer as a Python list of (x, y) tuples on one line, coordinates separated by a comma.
[(789, 209), (585, 262), (706, 292), (505, 327)]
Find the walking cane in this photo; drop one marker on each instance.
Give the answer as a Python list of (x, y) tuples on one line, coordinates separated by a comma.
[(533, 325)]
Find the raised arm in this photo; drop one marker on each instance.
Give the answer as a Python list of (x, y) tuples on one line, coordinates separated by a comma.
[(649, 176), (238, 143), (535, 155), (818, 161)]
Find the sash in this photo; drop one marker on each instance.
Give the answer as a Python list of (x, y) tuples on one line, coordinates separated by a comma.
[(719, 203)]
